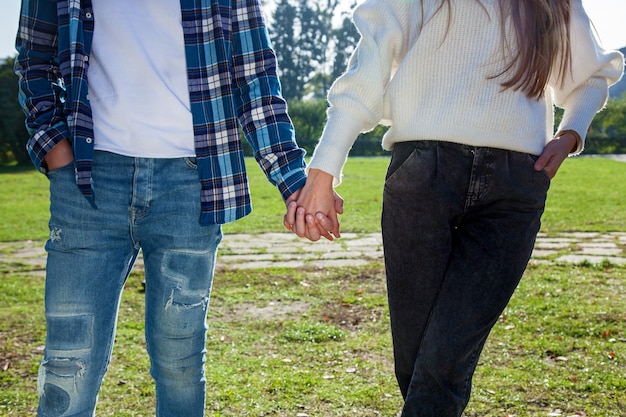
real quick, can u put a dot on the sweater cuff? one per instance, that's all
(334, 146)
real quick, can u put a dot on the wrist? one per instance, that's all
(320, 177)
(571, 136)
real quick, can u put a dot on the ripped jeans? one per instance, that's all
(142, 203)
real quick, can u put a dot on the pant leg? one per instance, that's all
(179, 258)
(90, 254)
(417, 242)
(492, 239)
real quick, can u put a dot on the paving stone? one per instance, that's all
(578, 259)
(332, 263)
(600, 251)
(342, 255)
(552, 245)
(287, 251)
(583, 235)
(543, 253)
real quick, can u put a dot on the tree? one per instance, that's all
(285, 44)
(316, 41)
(13, 134)
(303, 37)
(308, 118)
(346, 37)
(607, 134)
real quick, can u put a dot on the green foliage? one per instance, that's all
(607, 134)
(310, 51)
(284, 42)
(13, 135)
(346, 38)
(308, 119)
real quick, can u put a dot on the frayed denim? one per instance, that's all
(152, 205)
(459, 224)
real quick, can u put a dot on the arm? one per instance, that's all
(261, 109)
(583, 90)
(357, 97)
(356, 105)
(41, 88)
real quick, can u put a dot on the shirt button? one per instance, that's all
(86, 58)
(88, 15)
(89, 140)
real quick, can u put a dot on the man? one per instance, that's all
(134, 110)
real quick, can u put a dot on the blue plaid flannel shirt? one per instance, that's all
(232, 78)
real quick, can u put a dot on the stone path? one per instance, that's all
(287, 251)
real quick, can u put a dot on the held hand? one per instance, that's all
(60, 155)
(320, 224)
(312, 213)
(555, 153)
(313, 227)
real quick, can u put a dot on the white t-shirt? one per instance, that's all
(138, 80)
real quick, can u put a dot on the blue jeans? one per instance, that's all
(142, 203)
(459, 225)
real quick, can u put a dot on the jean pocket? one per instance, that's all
(401, 152)
(60, 170)
(191, 162)
(543, 172)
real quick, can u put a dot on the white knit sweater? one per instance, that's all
(429, 85)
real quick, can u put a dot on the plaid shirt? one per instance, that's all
(232, 79)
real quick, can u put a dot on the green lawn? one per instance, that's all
(587, 195)
(315, 342)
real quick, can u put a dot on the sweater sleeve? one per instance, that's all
(356, 97)
(584, 89)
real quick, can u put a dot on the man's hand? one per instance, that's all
(60, 155)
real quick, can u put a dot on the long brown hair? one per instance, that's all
(541, 44)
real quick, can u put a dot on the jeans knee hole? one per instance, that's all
(187, 300)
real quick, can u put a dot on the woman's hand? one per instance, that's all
(555, 153)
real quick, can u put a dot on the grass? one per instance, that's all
(278, 348)
(587, 195)
(315, 342)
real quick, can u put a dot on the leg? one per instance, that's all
(179, 258)
(478, 284)
(89, 257)
(491, 232)
(417, 241)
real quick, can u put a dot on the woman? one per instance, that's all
(467, 88)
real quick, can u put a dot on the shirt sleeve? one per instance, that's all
(356, 98)
(41, 88)
(261, 109)
(584, 89)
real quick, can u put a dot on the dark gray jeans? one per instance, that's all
(459, 225)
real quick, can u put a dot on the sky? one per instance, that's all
(608, 16)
